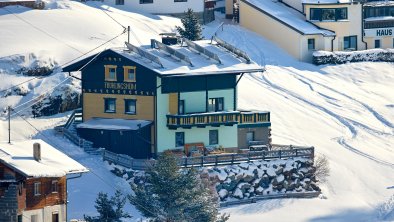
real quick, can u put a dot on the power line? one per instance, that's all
(94, 173)
(111, 17)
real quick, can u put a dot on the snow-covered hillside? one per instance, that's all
(345, 111)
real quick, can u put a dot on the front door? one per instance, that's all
(249, 137)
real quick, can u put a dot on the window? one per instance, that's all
(377, 43)
(109, 105)
(1, 172)
(130, 106)
(55, 186)
(129, 73)
(19, 218)
(110, 73)
(37, 189)
(34, 218)
(350, 42)
(216, 104)
(328, 14)
(179, 139)
(181, 107)
(213, 137)
(146, 1)
(119, 2)
(311, 44)
(55, 217)
(20, 188)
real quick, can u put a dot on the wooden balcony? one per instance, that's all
(217, 119)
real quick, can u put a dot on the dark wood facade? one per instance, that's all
(52, 190)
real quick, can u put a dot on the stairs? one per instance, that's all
(69, 131)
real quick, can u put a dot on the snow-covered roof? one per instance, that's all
(289, 17)
(114, 124)
(326, 1)
(379, 3)
(201, 65)
(17, 0)
(53, 163)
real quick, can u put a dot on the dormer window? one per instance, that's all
(110, 73)
(129, 73)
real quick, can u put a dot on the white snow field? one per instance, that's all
(345, 111)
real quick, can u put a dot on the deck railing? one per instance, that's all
(216, 119)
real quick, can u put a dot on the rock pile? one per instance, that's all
(247, 180)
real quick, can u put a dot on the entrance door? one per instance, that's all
(249, 137)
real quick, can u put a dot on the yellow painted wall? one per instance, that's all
(229, 7)
(386, 42)
(173, 103)
(351, 26)
(285, 37)
(93, 106)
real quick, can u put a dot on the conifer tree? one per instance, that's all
(110, 209)
(174, 195)
(191, 27)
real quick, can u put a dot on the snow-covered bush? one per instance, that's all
(371, 55)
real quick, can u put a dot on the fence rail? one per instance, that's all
(230, 159)
(212, 160)
(272, 196)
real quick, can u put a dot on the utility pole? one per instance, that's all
(128, 34)
(9, 124)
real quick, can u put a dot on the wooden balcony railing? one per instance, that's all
(216, 119)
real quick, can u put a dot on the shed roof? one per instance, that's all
(54, 163)
(114, 124)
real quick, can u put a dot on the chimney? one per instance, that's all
(37, 151)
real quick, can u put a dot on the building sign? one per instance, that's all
(379, 32)
(121, 86)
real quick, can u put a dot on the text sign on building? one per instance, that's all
(379, 32)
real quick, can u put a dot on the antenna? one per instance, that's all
(202, 50)
(172, 51)
(231, 48)
(144, 54)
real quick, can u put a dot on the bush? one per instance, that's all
(371, 55)
(322, 168)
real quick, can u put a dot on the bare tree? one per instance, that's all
(322, 168)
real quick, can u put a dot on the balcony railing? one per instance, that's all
(379, 24)
(216, 119)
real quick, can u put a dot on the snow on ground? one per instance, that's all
(345, 111)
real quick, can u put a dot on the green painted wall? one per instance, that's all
(195, 101)
(166, 138)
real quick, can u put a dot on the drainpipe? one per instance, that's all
(362, 26)
(332, 43)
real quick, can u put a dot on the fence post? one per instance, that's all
(248, 157)
(296, 152)
(232, 159)
(202, 160)
(280, 154)
(186, 162)
(216, 160)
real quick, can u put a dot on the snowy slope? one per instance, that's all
(345, 111)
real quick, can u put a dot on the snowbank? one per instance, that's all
(371, 55)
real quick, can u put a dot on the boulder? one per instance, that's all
(238, 194)
(279, 170)
(278, 180)
(259, 190)
(223, 194)
(244, 186)
(315, 187)
(265, 181)
(244, 166)
(256, 183)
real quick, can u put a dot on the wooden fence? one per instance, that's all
(212, 160)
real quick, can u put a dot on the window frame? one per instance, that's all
(126, 70)
(318, 14)
(37, 188)
(54, 184)
(313, 44)
(182, 134)
(215, 103)
(350, 45)
(126, 101)
(181, 107)
(211, 134)
(378, 41)
(108, 73)
(119, 2)
(146, 2)
(180, 1)
(105, 105)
